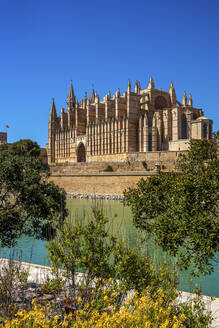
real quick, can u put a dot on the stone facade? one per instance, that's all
(138, 121)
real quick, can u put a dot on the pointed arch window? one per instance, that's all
(150, 142)
(210, 131)
(184, 126)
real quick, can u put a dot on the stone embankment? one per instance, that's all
(94, 196)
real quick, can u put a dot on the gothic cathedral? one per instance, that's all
(139, 121)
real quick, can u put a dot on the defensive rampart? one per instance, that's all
(93, 178)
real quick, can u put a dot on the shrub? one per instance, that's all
(13, 277)
(149, 310)
(89, 248)
(109, 168)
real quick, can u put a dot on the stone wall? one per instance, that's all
(106, 183)
(91, 178)
(121, 162)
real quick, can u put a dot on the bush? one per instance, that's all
(13, 277)
(109, 168)
(89, 248)
(149, 310)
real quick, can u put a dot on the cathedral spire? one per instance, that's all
(118, 93)
(129, 86)
(92, 97)
(184, 100)
(96, 98)
(190, 100)
(172, 86)
(172, 94)
(71, 98)
(52, 114)
(136, 86)
(151, 83)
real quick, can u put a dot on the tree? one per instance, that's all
(180, 209)
(26, 147)
(29, 204)
(90, 248)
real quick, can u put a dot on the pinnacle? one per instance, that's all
(129, 86)
(53, 110)
(172, 89)
(151, 83)
(53, 107)
(71, 92)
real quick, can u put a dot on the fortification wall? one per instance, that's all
(91, 178)
(106, 183)
(121, 162)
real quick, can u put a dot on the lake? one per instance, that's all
(120, 225)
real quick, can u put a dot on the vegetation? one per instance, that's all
(102, 296)
(109, 168)
(29, 204)
(26, 147)
(13, 278)
(180, 209)
(150, 310)
(119, 287)
(89, 248)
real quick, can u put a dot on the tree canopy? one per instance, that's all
(180, 209)
(29, 204)
(25, 147)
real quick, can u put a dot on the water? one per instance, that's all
(120, 224)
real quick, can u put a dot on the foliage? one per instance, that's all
(150, 310)
(28, 202)
(52, 285)
(180, 209)
(25, 147)
(13, 277)
(109, 168)
(89, 248)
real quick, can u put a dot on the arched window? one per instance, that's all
(205, 130)
(160, 102)
(210, 131)
(81, 153)
(150, 142)
(184, 126)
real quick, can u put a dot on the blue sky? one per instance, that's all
(45, 44)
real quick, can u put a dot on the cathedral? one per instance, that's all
(138, 121)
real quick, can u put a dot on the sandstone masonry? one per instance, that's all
(129, 125)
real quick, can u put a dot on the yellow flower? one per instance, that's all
(79, 299)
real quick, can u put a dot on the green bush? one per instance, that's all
(109, 168)
(91, 249)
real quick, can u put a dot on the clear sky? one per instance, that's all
(45, 44)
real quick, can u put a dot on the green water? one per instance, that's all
(120, 224)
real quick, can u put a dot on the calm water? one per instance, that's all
(120, 224)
